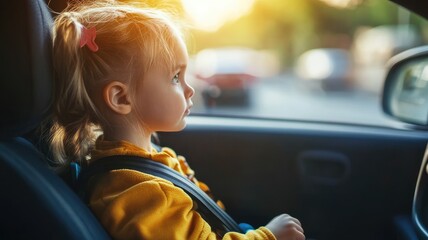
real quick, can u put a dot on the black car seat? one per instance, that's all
(35, 203)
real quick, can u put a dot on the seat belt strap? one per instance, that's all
(217, 218)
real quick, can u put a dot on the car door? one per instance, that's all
(326, 155)
(341, 181)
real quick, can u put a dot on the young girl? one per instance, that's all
(120, 72)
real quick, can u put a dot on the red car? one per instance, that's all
(227, 75)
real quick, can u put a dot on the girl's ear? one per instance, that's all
(117, 98)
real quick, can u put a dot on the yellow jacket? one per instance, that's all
(135, 205)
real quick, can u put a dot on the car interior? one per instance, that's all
(342, 181)
(37, 203)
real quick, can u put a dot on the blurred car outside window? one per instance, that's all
(228, 74)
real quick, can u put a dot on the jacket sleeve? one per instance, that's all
(134, 205)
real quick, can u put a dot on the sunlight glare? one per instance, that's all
(210, 15)
(342, 3)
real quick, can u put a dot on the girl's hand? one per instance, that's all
(285, 227)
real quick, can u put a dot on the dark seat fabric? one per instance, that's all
(25, 50)
(35, 203)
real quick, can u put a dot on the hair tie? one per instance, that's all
(88, 38)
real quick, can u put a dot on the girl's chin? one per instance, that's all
(180, 126)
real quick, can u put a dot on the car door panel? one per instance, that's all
(341, 181)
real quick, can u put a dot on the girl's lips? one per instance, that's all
(187, 112)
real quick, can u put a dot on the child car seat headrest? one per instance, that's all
(26, 66)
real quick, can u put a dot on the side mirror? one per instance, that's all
(405, 93)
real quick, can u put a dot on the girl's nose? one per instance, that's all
(189, 91)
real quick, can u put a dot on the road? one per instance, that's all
(286, 97)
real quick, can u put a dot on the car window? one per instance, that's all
(311, 60)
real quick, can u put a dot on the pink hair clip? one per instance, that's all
(88, 38)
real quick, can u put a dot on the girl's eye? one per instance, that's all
(176, 79)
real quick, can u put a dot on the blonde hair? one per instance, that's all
(130, 39)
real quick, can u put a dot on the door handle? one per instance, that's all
(323, 167)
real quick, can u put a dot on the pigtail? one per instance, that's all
(72, 134)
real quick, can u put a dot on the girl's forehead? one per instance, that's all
(167, 57)
(178, 56)
(180, 51)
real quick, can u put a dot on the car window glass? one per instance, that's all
(312, 60)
